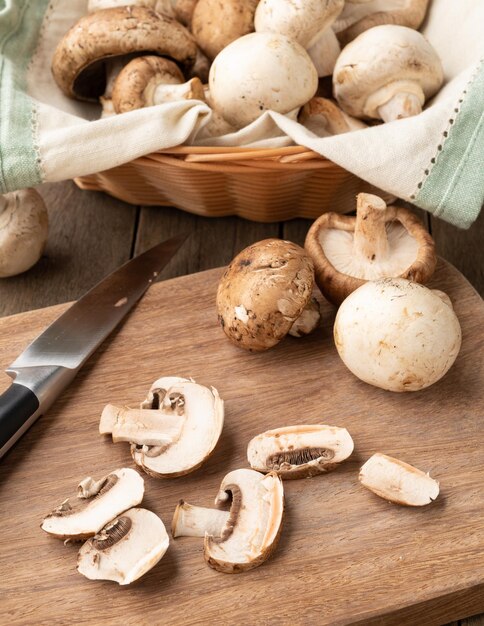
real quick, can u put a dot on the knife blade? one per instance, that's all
(47, 366)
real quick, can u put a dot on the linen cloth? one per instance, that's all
(435, 159)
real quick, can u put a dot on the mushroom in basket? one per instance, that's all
(324, 118)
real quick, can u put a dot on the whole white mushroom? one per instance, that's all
(23, 231)
(260, 72)
(397, 335)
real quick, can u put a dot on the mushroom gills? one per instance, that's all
(300, 451)
(125, 549)
(96, 504)
(397, 481)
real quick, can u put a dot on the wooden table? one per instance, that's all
(91, 234)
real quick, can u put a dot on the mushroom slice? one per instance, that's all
(381, 242)
(300, 451)
(78, 64)
(397, 481)
(324, 118)
(125, 549)
(250, 533)
(263, 292)
(202, 413)
(96, 504)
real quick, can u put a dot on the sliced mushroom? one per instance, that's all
(215, 24)
(300, 451)
(201, 414)
(324, 118)
(78, 65)
(125, 549)
(387, 72)
(357, 17)
(96, 503)
(250, 533)
(24, 226)
(263, 292)
(379, 242)
(397, 481)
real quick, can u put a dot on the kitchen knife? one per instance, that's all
(50, 362)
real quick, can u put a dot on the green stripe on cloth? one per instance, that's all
(454, 188)
(20, 23)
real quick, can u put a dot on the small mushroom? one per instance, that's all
(79, 62)
(397, 481)
(263, 292)
(248, 536)
(24, 225)
(215, 24)
(387, 72)
(260, 72)
(324, 118)
(96, 503)
(380, 242)
(150, 80)
(357, 17)
(300, 451)
(200, 413)
(125, 549)
(397, 335)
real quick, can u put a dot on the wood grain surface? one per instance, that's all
(345, 556)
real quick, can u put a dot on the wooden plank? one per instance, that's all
(213, 241)
(345, 556)
(463, 248)
(90, 234)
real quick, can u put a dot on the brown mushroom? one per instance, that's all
(324, 118)
(215, 24)
(379, 242)
(357, 17)
(246, 536)
(78, 64)
(263, 292)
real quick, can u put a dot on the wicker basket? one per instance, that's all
(263, 185)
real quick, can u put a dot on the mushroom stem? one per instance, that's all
(149, 427)
(197, 521)
(371, 240)
(401, 105)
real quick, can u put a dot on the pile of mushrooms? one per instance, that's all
(124, 542)
(175, 429)
(255, 55)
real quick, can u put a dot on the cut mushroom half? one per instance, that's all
(200, 412)
(300, 451)
(397, 481)
(247, 535)
(125, 549)
(380, 242)
(96, 503)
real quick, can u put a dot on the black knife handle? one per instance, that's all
(17, 405)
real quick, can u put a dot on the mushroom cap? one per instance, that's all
(77, 63)
(300, 451)
(24, 227)
(381, 62)
(125, 549)
(324, 118)
(184, 10)
(215, 24)
(84, 515)
(397, 481)
(135, 85)
(254, 525)
(203, 416)
(339, 269)
(259, 72)
(263, 291)
(302, 20)
(160, 6)
(357, 17)
(397, 335)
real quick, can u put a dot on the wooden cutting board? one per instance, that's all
(345, 556)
